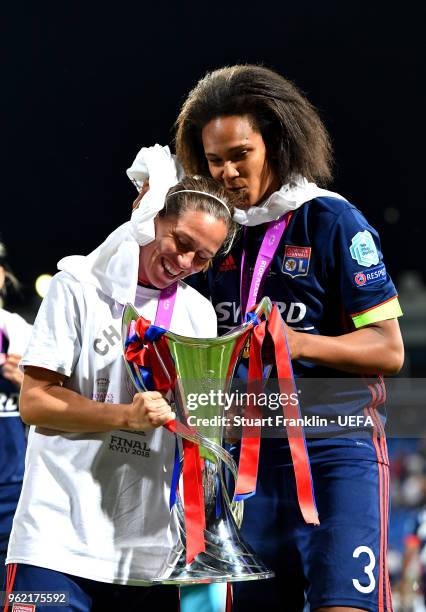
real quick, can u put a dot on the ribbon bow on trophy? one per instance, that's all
(209, 547)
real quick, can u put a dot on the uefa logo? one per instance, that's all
(360, 279)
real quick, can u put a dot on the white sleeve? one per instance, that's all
(17, 330)
(202, 313)
(55, 343)
(208, 320)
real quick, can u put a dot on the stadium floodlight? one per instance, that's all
(42, 284)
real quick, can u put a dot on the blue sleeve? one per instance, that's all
(356, 260)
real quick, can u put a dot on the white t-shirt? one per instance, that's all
(16, 329)
(96, 505)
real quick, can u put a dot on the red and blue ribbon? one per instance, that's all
(140, 352)
(250, 443)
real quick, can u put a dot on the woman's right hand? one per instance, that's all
(147, 411)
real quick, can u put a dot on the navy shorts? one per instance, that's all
(86, 595)
(341, 562)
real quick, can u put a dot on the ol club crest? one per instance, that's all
(296, 260)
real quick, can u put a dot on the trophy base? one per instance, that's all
(227, 557)
(203, 571)
(186, 581)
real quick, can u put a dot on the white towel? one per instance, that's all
(113, 266)
(289, 197)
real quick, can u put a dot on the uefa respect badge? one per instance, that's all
(363, 249)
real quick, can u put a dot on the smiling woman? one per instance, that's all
(84, 412)
(194, 224)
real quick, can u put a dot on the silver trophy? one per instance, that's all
(210, 363)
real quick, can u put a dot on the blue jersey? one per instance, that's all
(327, 277)
(12, 453)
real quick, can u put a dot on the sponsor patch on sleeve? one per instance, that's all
(369, 277)
(363, 249)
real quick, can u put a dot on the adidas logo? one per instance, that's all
(228, 264)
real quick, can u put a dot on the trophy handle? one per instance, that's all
(264, 308)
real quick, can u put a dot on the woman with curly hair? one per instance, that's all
(254, 131)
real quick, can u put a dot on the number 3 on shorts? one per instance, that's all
(368, 569)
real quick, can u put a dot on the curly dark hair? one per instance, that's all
(296, 140)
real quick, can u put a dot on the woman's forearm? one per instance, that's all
(45, 402)
(65, 410)
(375, 349)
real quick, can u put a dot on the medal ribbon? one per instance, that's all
(165, 306)
(270, 242)
(250, 439)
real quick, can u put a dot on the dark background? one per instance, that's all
(84, 86)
